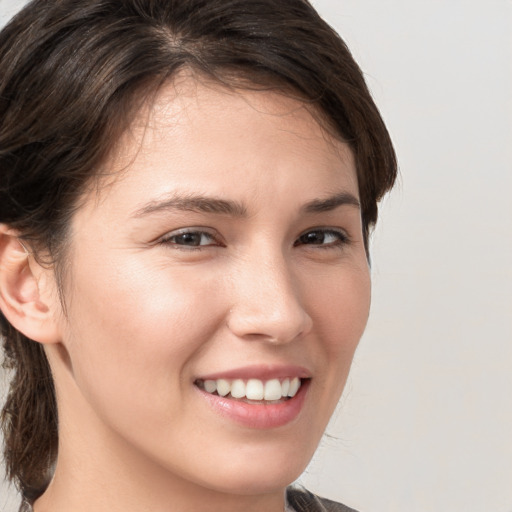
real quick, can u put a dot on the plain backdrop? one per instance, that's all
(425, 423)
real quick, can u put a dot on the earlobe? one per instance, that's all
(25, 299)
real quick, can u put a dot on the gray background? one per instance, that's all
(425, 423)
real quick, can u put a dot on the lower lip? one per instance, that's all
(259, 416)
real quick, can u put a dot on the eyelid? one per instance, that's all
(199, 230)
(344, 237)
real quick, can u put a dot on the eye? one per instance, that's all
(323, 237)
(193, 238)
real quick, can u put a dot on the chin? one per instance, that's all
(263, 480)
(265, 472)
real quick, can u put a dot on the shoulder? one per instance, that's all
(301, 500)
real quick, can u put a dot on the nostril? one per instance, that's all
(270, 327)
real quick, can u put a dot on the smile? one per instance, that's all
(252, 390)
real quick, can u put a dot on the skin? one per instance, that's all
(146, 314)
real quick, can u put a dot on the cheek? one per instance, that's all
(340, 307)
(340, 304)
(134, 331)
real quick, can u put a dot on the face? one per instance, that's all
(221, 268)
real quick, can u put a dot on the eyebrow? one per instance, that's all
(194, 203)
(205, 204)
(331, 203)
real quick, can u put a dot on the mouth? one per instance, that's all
(253, 391)
(257, 396)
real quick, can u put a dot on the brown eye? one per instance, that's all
(323, 237)
(190, 239)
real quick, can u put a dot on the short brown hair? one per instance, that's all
(72, 76)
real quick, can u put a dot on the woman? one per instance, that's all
(187, 190)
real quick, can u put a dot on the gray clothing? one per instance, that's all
(301, 500)
(298, 500)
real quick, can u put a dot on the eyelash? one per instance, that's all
(342, 239)
(170, 239)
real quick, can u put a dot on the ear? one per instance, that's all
(28, 297)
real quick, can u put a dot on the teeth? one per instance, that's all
(238, 388)
(254, 389)
(294, 386)
(223, 387)
(286, 386)
(210, 386)
(273, 390)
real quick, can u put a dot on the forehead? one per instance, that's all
(198, 126)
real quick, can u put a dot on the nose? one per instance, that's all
(266, 303)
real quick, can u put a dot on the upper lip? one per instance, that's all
(262, 372)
